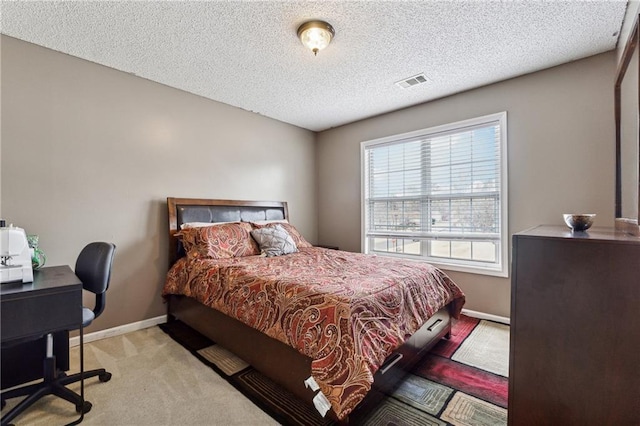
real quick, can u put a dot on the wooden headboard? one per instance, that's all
(185, 210)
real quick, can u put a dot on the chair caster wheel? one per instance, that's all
(105, 377)
(84, 408)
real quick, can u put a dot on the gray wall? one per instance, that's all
(90, 153)
(561, 153)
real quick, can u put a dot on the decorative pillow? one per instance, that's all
(291, 230)
(219, 242)
(274, 240)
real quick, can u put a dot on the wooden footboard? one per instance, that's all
(285, 365)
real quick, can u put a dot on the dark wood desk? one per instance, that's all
(52, 303)
(48, 304)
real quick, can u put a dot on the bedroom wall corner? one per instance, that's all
(90, 153)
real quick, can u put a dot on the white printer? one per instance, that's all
(15, 255)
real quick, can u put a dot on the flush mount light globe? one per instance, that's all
(316, 35)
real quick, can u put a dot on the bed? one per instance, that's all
(284, 328)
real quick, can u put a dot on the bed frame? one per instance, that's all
(278, 361)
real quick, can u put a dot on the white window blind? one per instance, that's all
(439, 194)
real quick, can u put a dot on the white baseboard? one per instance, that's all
(116, 331)
(490, 317)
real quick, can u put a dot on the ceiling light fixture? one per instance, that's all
(316, 35)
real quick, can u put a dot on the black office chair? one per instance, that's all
(93, 268)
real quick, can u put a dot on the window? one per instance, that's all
(439, 195)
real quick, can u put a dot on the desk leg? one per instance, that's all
(82, 374)
(85, 405)
(82, 367)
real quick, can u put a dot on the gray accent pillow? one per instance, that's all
(274, 241)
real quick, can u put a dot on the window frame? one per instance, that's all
(501, 267)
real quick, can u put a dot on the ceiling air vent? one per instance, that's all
(412, 81)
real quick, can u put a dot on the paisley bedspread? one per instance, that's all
(346, 311)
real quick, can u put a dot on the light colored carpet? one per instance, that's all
(155, 382)
(487, 348)
(423, 394)
(465, 410)
(226, 361)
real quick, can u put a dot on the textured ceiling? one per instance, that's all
(246, 53)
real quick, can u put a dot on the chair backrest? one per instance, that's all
(93, 267)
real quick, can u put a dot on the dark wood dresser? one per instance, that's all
(575, 328)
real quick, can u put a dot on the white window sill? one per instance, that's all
(496, 271)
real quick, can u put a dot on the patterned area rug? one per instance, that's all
(461, 382)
